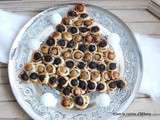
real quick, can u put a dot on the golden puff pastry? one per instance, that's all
(67, 102)
(67, 36)
(80, 8)
(95, 75)
(67, 53)
(78, 55)
(98, 56)
(63, 70)
(76, 91)
(85, 75)
(30, 67)
(50, 69)
(74, 73)
(55, 50)
(77, 38)
(56, 35)
(40, 68)
(87, 56)
(44, 49)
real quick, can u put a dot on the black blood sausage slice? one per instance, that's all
(47, 58)
(73, 30)
(71, 44)
(41, 77)
(37, 56)
(83, 29)
(92, 65)
(33, 76)
(92, 48)
(69, 64)
(112, 66)
(82, 47)
(82, 84)
(50, 41)
(53, 80)
(72, 13)
(120, 84)
(57, 61)
(61, 42)
(91, 85)
(24, 76)
(61, 81)
(100, 86)
(81, 65)
(101, 67)
(66, 91)
(74, 82)
(113, 84)
(102, 43)
(95, 29)
(60, 28)
(79, 100)
(84, 15)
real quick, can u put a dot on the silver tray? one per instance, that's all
(28, 95)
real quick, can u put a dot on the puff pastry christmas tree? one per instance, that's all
(75, 60)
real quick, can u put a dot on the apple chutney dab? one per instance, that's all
(75, 60)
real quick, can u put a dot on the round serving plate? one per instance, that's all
(36, 31)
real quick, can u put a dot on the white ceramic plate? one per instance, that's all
(36, 31)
